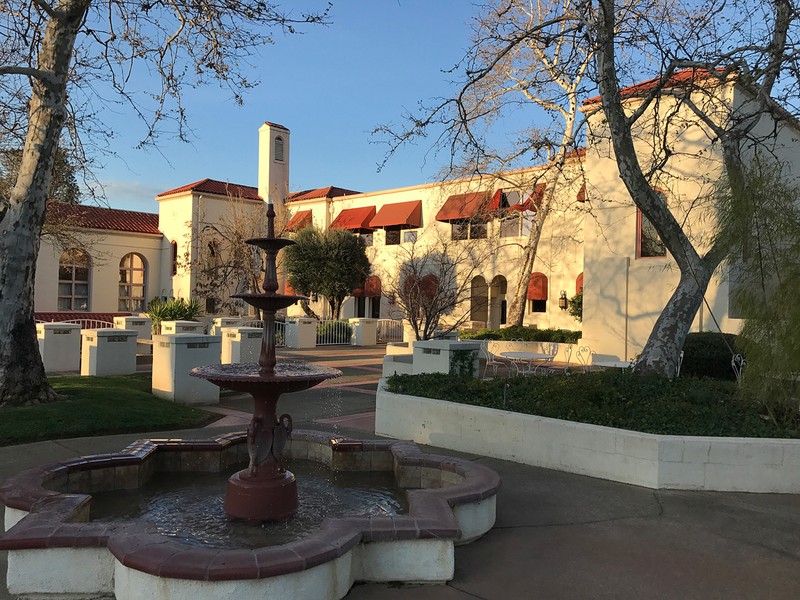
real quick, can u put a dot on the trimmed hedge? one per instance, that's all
(708, 354)
(650, 404)
(526, 334)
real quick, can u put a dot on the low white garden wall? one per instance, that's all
(653, 461)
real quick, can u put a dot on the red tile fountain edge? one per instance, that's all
(54, 519)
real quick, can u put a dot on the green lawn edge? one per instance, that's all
(94, 406)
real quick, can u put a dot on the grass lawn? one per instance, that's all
(98, 406)
(683, 406)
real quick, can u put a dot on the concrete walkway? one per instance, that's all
(557, 535)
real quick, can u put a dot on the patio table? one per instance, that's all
(531, 360)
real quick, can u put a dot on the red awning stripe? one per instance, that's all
(537, 287)
(371, 288)
(354, 218)
(403, 214)
(299, 221)
(466, 206)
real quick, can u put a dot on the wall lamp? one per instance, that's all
(562, 300)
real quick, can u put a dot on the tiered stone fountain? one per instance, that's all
(265, 490)
(56, 550)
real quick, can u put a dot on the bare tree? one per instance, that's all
(432, 288)
(526, 58)
(750, 47)
(53, 50)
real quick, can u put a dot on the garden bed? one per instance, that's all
(476, 422)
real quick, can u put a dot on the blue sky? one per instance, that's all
(330, 87)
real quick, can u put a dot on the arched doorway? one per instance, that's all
(497, 302)
(479, 300)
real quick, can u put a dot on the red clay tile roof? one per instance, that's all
(221, 188)
(679, 79)
(276, 126)
(326, 192)
(95, 217)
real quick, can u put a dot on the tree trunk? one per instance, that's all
(662, 351)
(516, 310)
(22, 377)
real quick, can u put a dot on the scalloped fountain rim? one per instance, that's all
(454, 502)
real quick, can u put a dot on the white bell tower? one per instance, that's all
(273, 162)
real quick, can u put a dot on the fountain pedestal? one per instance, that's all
(265, 490)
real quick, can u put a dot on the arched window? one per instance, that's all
(479, 300)
(537, 293)
(174, 257)
(579, 284)
(74, 267)
(132, 277)
(278, 149)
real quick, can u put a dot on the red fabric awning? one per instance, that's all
(370, 289)
(579, 284)
(354, 218)
(466, 206)
(299, 220)
(403, 214)
(537, 287)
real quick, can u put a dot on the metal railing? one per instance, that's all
(333, 332)
(280, 330)
(390, 330)
(84, 323)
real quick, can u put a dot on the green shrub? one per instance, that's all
(708, 354)
(527, 334)
(174, 309)
(650, 404)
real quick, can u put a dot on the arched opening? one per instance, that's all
(579, 284)
(74, 269)
(479, 300)
(497, 302)
(368, 298)
(132, 278)
(278, 149)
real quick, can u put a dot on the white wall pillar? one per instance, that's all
(143, 326)
(241, 344)
(108, 352)
(365, 332)
(173, 357)
(59, 345)
(301, 333)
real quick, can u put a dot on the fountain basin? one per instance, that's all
(53, 549)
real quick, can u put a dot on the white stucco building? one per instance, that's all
(594, 238)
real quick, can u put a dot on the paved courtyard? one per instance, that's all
(557, 535)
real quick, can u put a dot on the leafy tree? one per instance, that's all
(58, 60)
(330, 263)
(575, 306)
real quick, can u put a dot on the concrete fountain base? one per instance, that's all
(54, 550)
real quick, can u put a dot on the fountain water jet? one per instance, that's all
(265, 490)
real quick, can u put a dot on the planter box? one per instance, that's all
(653, 461)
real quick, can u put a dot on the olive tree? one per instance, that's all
(59, 61)
(330, 263)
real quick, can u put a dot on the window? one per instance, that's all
(361, 307)
(367, 237)
(649, 242)
(174, 257)
(464, 229)
(392, 236)
(537, 293)
(509, 227)
(132, 276)
(278, 149)
(73, 280)
(409, 237)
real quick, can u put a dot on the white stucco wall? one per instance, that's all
(106, 248)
